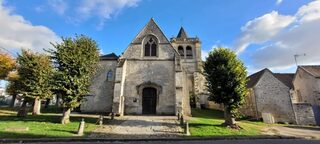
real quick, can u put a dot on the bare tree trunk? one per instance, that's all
(13, 100)
(36, 106)
(23, 111)
(57, 100)
(66, 116)
(229, 119)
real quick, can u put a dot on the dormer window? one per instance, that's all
(150, 47)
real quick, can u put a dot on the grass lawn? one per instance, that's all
(44, 125)
(208, 123)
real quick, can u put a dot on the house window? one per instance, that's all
(150, 47)
(181, 51)
(189, 52)
(109, 76)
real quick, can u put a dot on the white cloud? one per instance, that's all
(281, 37)
(279, 2)
(262, 29)
(84, 10)
(103, 9)
(59, 6)
(17, 33)
(204, 54)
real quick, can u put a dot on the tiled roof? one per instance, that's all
(111, 56)
(254, 78)
(285, 78)
(314, 70)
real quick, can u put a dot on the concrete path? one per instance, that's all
(139, 127)
(295, 131)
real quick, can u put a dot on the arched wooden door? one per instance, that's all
(149, 100)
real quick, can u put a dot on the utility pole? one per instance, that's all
(297, 55)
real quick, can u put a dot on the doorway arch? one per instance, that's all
(149, 100)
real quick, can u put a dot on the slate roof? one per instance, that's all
(314, 70)
(111, 56)
(285, 78)
(182, 33)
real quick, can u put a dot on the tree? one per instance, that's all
(35, 72)
(76, 60)
(13, 86)
(226, 81)
(7, 64)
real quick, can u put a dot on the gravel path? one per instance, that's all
(139, 127)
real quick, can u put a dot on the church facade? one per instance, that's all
(154, 76)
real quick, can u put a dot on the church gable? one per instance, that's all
(150, 43)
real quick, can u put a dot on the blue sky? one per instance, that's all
(264, 33)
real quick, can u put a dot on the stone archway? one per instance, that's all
(149, 93)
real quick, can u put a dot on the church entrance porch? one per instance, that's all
(149, 100)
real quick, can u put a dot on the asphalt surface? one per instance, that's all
(259, 141)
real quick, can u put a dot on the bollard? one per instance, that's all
(112, 116)
(186, 129)
(178, 116)
(81, 128)
(101, 120)
(181, 120)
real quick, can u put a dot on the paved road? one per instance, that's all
(295, 131)
(261, 141)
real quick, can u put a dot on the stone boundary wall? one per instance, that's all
(304, 114)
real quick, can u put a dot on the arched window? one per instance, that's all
(109, 76)
(189, 52)
(150, 47)
(181, 51)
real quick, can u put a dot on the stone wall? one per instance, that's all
(304, 114)
(307, 88)
(273, 97)
(159, 73)
(101, 90)
(249, 108)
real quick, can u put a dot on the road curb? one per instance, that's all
(32, 140)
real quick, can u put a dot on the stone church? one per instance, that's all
(154, 76)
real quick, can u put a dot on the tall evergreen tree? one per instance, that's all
(76, 60)
(226, 77)
(35, 73)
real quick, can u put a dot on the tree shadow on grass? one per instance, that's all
(45, 118)
(199, 125)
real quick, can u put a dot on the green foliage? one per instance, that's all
(226, 77)
(76, 60)
(46, 125)
(208, 123)
(7, 64)
(34, 75)
(13, 83)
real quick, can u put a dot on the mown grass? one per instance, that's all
(44, 125)
(208, 123)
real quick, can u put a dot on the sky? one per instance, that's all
(264, 33)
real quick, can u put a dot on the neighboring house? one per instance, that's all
(307, 88)
(269, 97)
(153, 76)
